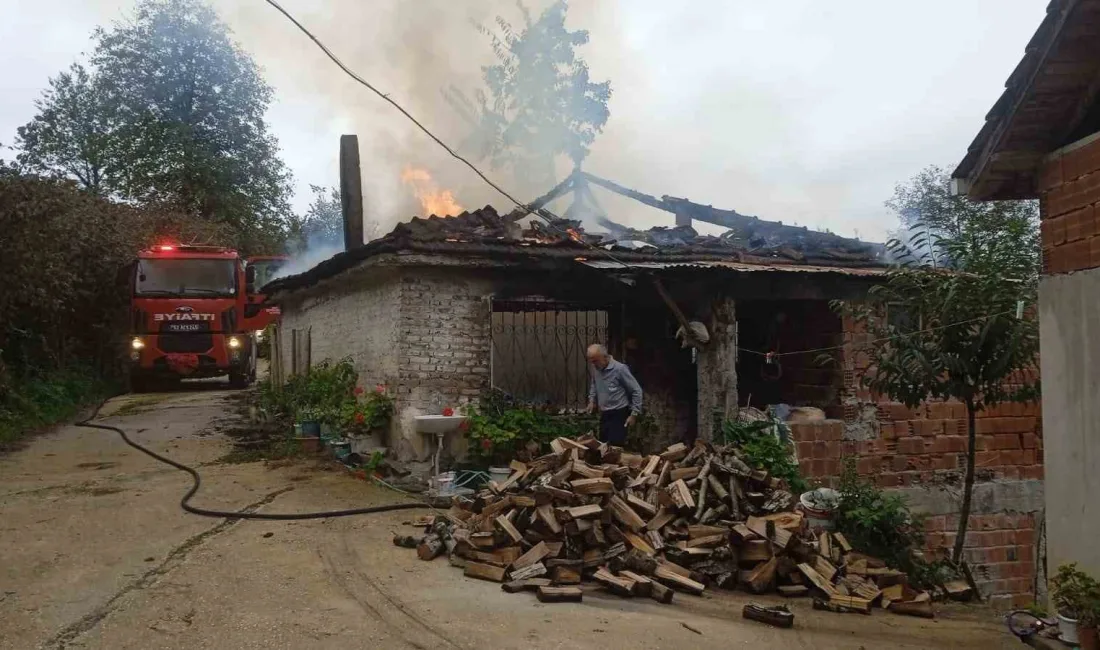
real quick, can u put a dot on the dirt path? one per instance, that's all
(95, 553)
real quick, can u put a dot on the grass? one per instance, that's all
(33, 404)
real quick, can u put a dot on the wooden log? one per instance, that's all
(637, 541)
(824, 544)
(664, 474)
(842, 541)
(643, 586)
(531, 571)
(756, 550)
(592, 486)
(536, 554)
(554, 548)
(671, 566)
(815, 578)
(677, 581)
(713, 513)
(681, 495)
(854, 603)
(716, 488)
(566, 575)
(735, 496)
(794, 591)
(741, 533)
(625, 514)
(583, 512)
(618, 585)
(830, 606)
(562, 475)
(958, 590)
(530, 584)
(509, 529)
(684, 473)
(701, 501)
(660, 593)
(824, 568)
(560, 594)
(763, 577)
(675, 452)
(761, 527)
(546, 516)
(585, 470)
(593, 557)
(660, 520)
(710, 540)
(523, 501)
(697, 530)
(643, 508)
(483, 540)
(485, 571)
(923, 609)
(778, 616)
(633, 461)
(655, 540)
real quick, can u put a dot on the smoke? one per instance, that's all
(317, 249)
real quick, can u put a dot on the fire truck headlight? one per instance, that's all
(234, 342)
(137, 343)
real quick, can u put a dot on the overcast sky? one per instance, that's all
(802, 111)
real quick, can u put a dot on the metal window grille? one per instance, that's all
(538, 349)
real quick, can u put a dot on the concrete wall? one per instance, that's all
(1069, 312)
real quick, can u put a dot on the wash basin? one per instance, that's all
(437, 424)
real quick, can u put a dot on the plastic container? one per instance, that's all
(817, 515)
(311, 429)
(499, 474)
(445, 484)
(341, 449)
(1068, 628)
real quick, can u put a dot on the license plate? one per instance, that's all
(185, 327)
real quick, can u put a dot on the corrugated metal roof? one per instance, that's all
(612, 265)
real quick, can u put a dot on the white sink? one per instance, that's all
(437, 424)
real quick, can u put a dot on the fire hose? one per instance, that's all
(196, 482)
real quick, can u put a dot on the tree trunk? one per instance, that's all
(968, 486)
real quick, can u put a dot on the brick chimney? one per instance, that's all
(351, 192)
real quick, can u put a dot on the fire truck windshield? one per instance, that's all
(186, 278)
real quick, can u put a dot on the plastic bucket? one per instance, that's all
(499, 474)
(311, 429)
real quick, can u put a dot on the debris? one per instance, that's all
(560, 594)
(778, 616)
(688, 627)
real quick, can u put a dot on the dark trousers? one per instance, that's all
(613, 426)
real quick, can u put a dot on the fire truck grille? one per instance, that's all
(185, 342)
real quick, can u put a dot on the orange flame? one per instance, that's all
(432, 199)
(574, 235)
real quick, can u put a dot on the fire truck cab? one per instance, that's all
(195, 313)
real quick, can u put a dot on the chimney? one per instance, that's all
(351, 192)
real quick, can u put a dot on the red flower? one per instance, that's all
(463, 426)
(448, 412)
(486, 444)
(380, 388)
(358, 390)
(359, 418)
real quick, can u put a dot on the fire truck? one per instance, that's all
(195, 312)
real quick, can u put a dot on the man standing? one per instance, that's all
(615, 392)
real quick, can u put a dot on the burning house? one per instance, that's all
(443, 310)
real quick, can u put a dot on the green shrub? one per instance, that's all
(498, 427)
(329, 394)
(762, 449)
(46, 400)
(1076, 594)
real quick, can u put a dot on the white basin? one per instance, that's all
(438, 423)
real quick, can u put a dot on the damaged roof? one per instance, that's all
(543, 235)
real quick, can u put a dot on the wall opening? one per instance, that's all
(538, 349)
(779, 326)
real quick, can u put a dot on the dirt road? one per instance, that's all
(95, 553)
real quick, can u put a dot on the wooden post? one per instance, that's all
(351, 192)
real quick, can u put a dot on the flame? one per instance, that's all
(574, 235)
(432, 199)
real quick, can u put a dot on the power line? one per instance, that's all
(881, 340)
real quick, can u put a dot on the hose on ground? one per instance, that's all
(196, 482)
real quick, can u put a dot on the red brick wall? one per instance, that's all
(902, 447)
(1069, 186)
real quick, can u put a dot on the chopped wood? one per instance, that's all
(505, 524)
(958, 590)
(762, 577)
(923, 609)
(681, 495)
(717, 488)
(814, 577)
(756, 550)
(592, 486)
(856, 567)
(696, 530)
(672, 566)
(642, 507)
(566, 575)
(855, 603)
(637, 541)
(655, 540)
(676, 581)
(778, 616)
(633, 461)
(554, 493)
(660, 593)
(587, 471)
(537, 553)
(625, 514)
(584, 512)
(838, 607)
(642, 585)
(506, 555)
(499, 505)
(650, 466)
(593, 557)
(530, 584)
(710, 540)
(660, 520)
(702, 498)
(675, 452)
(523, 501)
(892, 593)
(531, 571)
(825, 568)
(684, 473)
(562, 474)
(794, 591)
(560, 594)
(861, 587)
(554, 548)
(742, 533)
(619, 585)
(483, 540)
(777, 536)
(842, 541)
(546, 515)
(485, 571)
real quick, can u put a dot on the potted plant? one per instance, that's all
(1076, 597)
(367, 413)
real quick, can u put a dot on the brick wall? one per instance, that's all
(921, 453)
(1069, 186)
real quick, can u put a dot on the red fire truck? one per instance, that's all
(195, 312)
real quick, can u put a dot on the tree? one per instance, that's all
(178, 111)
(323, 223)
(71, 134)
(541, 102)
(960, 337)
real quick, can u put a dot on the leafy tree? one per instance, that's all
(323, 223)
(71, 134)
(960, 337)
(170, 115)
(541, 102)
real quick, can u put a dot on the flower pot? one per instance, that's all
(818, 516)
(311, 429)
(499, 474)
(1088, 637)
(310, 444)
(1068, 628)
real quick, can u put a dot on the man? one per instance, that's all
(615, 392)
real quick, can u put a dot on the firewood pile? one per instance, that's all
(684, 520)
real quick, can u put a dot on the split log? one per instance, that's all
(620, 586)
(814, 577)
(530, 584)
(675, 452)
(681, 495)
(625, 514)
(583, 512)
(854, 603)
(643, 586)
(560, 594)
(695, 531)
(710, 540)
(587, 471)
(592, 486)
(660, 593)
(756, 550)
(923, 609)
(505, 524)
(763, 577)
(842, 541)
(831, 606)
(684, 473)
(536, 554)
(637, 541)
(642, 507)
(566, 575)
(660, 520)
(546, 516)
(531, 571)
(824, 568)
(655, 540)
(794, 591)
(676, 581)
(485, 571)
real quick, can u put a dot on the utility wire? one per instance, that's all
(881, 340)
(452, 152)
